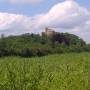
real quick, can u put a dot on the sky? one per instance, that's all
(32, 16)
(34, 8)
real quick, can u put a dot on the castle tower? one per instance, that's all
(49, 32)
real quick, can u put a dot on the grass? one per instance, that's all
(52, 72)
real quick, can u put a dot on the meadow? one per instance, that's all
(53, 72)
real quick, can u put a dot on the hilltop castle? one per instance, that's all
(49, 32)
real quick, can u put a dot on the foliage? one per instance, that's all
(28, 45)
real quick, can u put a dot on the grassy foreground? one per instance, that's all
(53, 72)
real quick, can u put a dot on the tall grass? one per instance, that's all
(53, 72)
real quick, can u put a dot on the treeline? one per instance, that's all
(28, 45)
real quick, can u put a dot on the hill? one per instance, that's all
(40, 45)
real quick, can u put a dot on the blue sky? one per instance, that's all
(32, 16)
(33, 9)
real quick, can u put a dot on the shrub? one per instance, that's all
(26, 52)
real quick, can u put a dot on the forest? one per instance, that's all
(28, 45)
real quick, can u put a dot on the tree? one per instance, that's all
(3, 46)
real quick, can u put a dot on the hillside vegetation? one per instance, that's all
(28, 45)
(53, 72)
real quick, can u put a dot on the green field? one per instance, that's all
(52, 72)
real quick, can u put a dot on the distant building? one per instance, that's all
(49, 32)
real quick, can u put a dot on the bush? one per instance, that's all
(29, 45)
(26, 52)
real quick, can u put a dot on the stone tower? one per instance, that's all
(48, 32)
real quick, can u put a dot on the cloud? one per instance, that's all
(67, 16)
(22, 1)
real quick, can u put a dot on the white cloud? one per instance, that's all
(68, 16)
(22, 1)
(25, 1)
